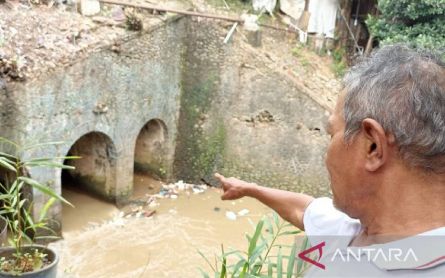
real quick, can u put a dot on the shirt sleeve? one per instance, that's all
(321, 218)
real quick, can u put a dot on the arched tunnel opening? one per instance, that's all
(150, 165)
(91, 184)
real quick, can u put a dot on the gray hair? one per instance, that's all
(404, 90)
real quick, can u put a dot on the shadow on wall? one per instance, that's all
(95, 171)
(151, 150)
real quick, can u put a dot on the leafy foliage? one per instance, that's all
(16, 208)
(339, 64)
(418, 23)
(264, 256)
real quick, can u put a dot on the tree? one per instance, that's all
(418, 23)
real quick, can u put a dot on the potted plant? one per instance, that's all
(23, 257)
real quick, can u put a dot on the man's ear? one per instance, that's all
(377, 144)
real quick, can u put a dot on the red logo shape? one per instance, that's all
(318, 247)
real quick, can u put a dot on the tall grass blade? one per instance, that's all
(224, 262)
(207, 260)
(279, 264)
(254, 239)
(205, 275)
(291, 263)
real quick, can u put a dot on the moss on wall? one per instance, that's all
(212, 151)
(198, 149)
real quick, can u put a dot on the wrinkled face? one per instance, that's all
(343, 163)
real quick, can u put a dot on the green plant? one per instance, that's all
(418, 23)
(16, 207)
(264, 257)
(339, 64)
(296, 51)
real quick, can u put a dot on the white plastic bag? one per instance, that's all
(261, 5)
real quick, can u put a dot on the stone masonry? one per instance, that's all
(174, 102)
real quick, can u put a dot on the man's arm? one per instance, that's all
(289, 205)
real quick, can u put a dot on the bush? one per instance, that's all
(417, 23)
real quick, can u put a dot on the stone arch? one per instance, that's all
(151, 149)
(95, 171)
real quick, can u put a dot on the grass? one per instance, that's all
(264, 257)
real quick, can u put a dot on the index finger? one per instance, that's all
(220, 177)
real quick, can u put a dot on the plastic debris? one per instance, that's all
(149, 213)
(173, 190)
(264, 5)
(137, 212)
(243, 212)
(231, 215)
(180, 185)
(250, 22)
(144, 207)
(198, 189)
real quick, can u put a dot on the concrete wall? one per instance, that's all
(184, 101)
(246, 121)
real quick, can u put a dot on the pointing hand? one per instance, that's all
(233, 188)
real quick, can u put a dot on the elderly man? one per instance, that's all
(386, 161)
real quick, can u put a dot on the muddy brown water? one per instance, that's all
(97, 243)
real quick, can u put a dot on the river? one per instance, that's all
(99, 242)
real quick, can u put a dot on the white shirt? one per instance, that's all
(422, 255)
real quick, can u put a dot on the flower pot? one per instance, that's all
(49, 271)
(3, 230)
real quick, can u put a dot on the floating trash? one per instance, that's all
(231, 215)
(173, 190)
(137, 212)
(243, 212)
(198, 189)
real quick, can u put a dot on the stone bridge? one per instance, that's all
(174, 102)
